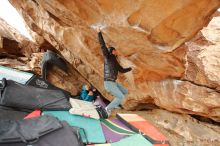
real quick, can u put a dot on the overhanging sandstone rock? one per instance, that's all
(146, 33)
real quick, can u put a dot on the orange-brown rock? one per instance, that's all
(9, 38)
(179, 96)
(71, 81)
(184, 23)
(203, 65)
(1, 42)
(146, 33)
(13, 42)
(9, 32)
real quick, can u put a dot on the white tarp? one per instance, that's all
(83, 108)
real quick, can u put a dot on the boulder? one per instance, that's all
(150, 37)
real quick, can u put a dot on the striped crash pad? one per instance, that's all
(92, 132)
(139, 124)
(134, 140)
(15, 75)
(114, 130)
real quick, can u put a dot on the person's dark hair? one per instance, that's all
(111, 49)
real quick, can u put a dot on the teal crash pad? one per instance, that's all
(92, 127)
(134, 140)
(15, 75)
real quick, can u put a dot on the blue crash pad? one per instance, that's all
(134, 140)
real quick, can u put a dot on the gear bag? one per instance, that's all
(11, 113)
(13, 94)
(41, 131)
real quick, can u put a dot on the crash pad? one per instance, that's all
(134, 140)
(15, 75)
(160, 145)
(139, 124)
(106, 144)
(114, 130)
(91, 127)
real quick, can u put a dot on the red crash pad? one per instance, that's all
(33, 114)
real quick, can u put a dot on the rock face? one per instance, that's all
(148, 34)
(9, 32)
(1, 42)
(203, 56)
(13, 42)
(9, 38)
(71, 81)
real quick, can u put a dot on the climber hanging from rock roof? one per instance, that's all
(111, 69)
